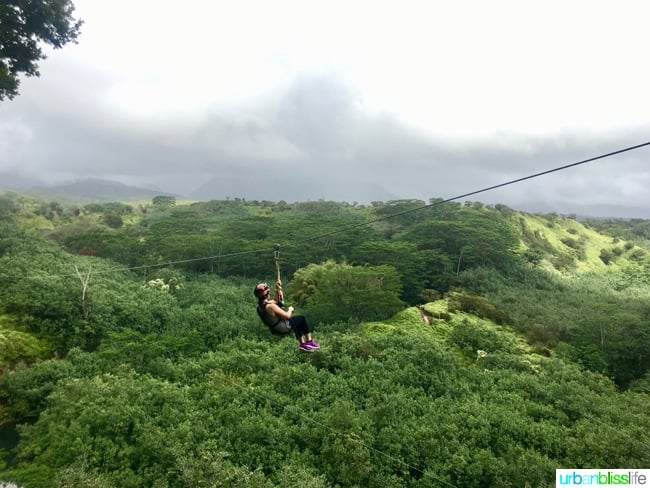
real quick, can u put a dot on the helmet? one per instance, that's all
(261, 290)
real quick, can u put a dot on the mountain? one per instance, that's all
(11, 181)
(273, 187)
(585, 210)
(268, 186)
(80, 191)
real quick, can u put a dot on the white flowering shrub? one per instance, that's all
(160, 284)
(157, 284)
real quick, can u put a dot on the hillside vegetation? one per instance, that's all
(462, 345)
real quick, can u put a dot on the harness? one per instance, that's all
(261, 311)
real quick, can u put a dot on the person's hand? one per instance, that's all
(291, 309)
(278, 284)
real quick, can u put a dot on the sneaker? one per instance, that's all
(305, 347)
(313, 345)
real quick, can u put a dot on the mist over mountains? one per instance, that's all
(83, 190)
(275, 187)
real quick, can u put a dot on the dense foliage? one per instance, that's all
(530, 355)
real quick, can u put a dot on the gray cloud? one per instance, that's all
(313, 141)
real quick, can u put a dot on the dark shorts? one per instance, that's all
(282, 327)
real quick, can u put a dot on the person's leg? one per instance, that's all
(302, 328)
(286, 327)
(296, 330)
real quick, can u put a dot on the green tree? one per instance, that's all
(131, 427)
(16, 345)
(412, 265)
(164, 201)
(331, 292)
(113, 220)
(24, 25)
(8, 207)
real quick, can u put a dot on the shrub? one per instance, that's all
(563, 262)
(606, 256)
(471, 337)
(533, 256)
(460, 300)
(544, 335)
(113, 220)
(430, 295)
(572, 243)
(637, 254)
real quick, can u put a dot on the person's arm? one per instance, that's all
(279, 296)
(278, 312)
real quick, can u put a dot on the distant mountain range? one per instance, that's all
(81, 191)
(269, 187)
(255, 187)
(582, 211)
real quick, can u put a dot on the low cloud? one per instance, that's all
(312, 140)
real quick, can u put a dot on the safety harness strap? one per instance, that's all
(261, 309)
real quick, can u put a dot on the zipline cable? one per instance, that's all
(144, 266)
(482, 190)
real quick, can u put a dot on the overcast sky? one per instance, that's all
(345, 100)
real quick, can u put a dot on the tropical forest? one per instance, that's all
(462, 344)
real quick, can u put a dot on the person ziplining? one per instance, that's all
(278, 319)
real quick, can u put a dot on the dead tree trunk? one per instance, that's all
(84, 289)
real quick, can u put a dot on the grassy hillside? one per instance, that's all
(568, 246)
